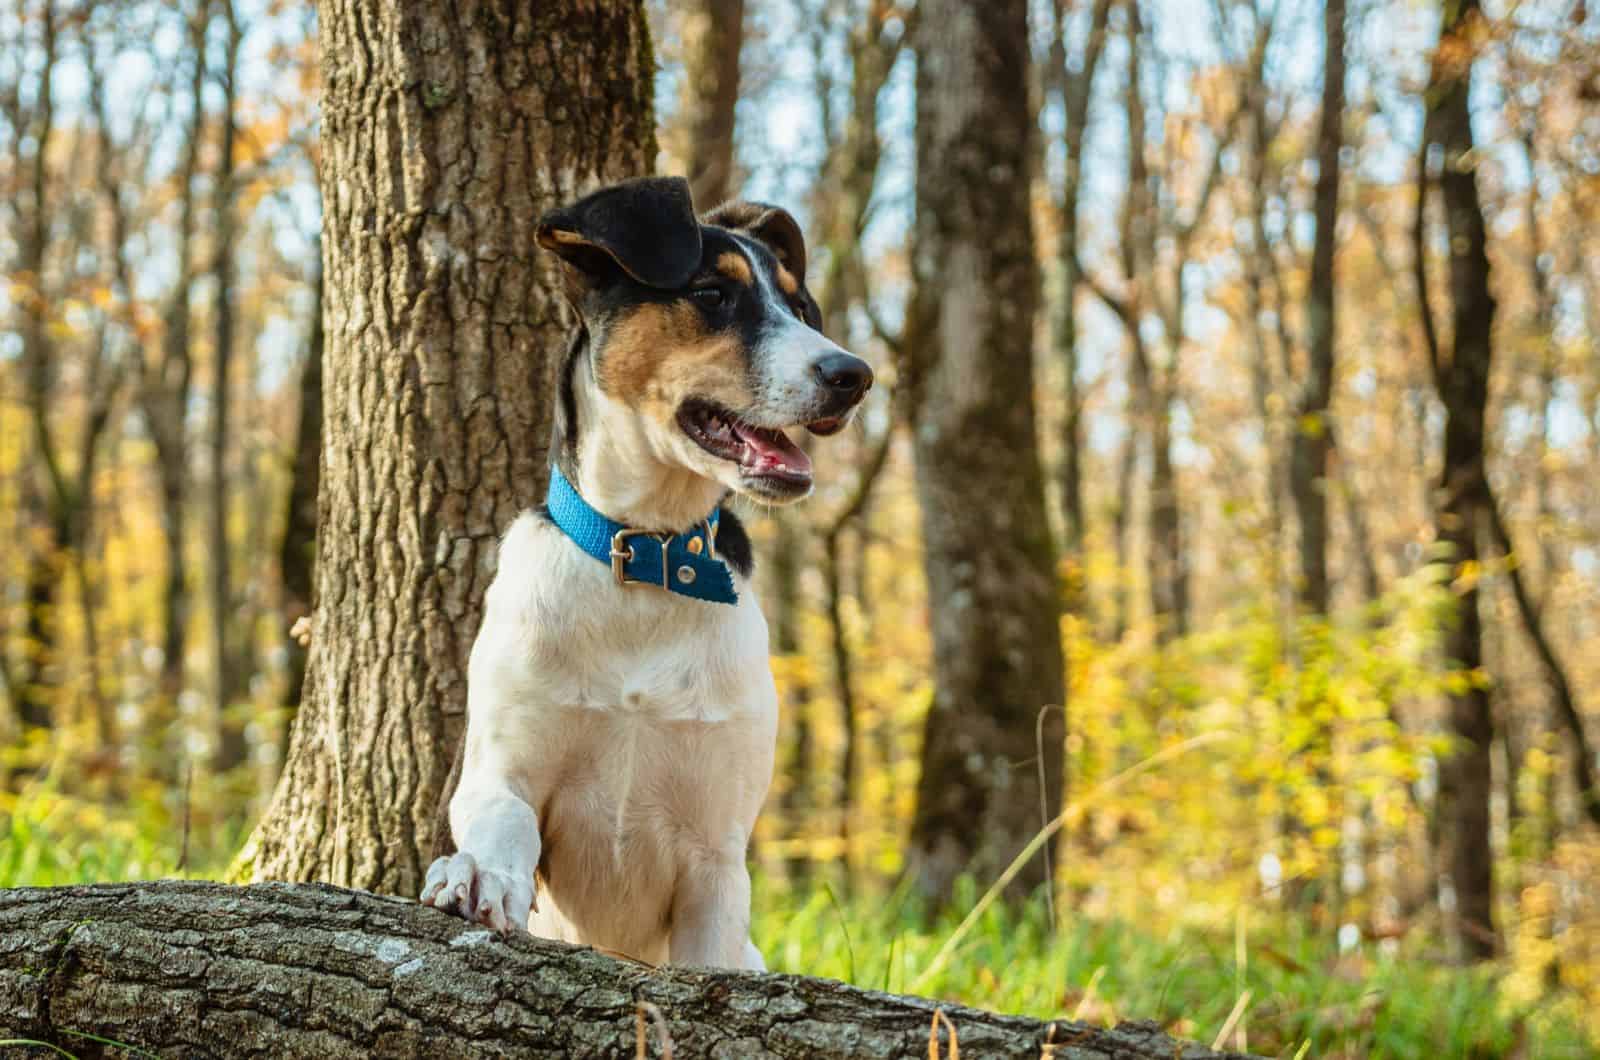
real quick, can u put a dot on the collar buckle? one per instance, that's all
(622, 555)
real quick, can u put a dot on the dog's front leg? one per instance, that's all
(711, 916)
(489, 879)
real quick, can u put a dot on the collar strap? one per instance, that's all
(685, 564)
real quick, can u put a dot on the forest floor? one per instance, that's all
(1264, 987)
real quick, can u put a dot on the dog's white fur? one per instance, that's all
(621, 737)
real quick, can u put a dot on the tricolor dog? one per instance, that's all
(621, 715)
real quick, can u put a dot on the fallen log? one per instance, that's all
(195, 969)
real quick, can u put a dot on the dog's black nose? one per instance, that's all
(844, 375)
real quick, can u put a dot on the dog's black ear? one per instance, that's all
(645, 227)
(773, 225)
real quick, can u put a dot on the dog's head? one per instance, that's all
(703, 332)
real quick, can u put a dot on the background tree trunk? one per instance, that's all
(315, 971)
(446, 133)
(1462, 378)
(1311, 434)
(35, 699)
(231, 749)
(1075, 89)
(164, 391)
(991, 563)
(297, 556)
(1148, 220)
(712, 72)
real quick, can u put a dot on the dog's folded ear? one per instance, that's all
(773, 225)
(645, 227)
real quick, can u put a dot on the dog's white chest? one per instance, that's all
(638, 726)
(559, 634)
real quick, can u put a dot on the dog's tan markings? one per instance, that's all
(641, 342)
(660, 354)
(559, 235)
(786, 281)
(713, 369)
(735, 267)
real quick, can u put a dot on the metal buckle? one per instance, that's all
(622, 554)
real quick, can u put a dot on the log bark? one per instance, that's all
(196, 969)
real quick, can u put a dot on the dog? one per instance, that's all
(621, 713)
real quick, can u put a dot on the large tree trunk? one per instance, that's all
(1308, 461)
(188, 969)
(1462, 378)
(446, 133)
(990, 564)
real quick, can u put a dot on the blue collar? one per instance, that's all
(685, 563)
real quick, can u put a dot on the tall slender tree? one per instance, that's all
(1312, 435)
(991, 563)
(850, 176)
(165, 385)
(1461, 375)
(1075, 87)
(446, 133)
(56, 248)
(231, 747)
(1155, 251)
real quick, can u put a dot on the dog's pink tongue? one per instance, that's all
(771, 451)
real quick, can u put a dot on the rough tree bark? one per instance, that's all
(447, 131)
(1462, 379)
(188, 968)
(990, 565)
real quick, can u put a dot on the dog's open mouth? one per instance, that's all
(765, 454)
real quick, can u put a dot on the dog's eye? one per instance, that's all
(710, 297)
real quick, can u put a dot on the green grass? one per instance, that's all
(1305, 998)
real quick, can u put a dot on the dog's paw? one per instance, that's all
(458, 884)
